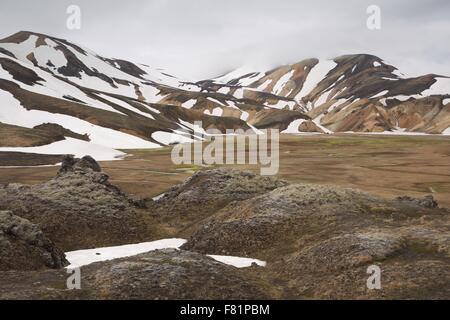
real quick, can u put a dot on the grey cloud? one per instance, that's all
(203, 38)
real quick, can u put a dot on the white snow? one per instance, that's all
(45, 53)
(239, 93)
(322, 99)
(446, 131)
(238, 262)
(282, 82)
(159, 196)
(445, 101)
(249, 80)
(318, 72)
(215, 101)
(441, 86)
(232, 104)
(336, 104)
(149, 108)
(21, 50)
(317, 122)
(78, 148)
(189, 104)
(380, 94)
(54, 87)
(293, 126)
(398, 73)
(404, 97)
(160, 76)
(150, 93)
(195, 127)
(239, 72)
(244, 115)
(168, 138)
(217, 112)
(282, 104)
(91, 60)
(126, 105)
(81, 258)
(376, 64)
(264, 85)
(256, 130)
(390, 79)
(224, 90)
(11, 112)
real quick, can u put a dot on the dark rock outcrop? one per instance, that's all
(70, 164)
(426, 202)
(79, 208)
(208, 191)
(318, 242)
(23, 246)
(169, 274)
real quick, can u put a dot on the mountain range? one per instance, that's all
(57, 97)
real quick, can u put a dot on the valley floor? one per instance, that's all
(384, 165)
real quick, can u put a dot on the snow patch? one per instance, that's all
(293, 126)
(23, 49)
(446, 131)
(282, 82)
(79, 148)
(217, 112)
(224, 90)
(45, 53)
(189, 104)
(264, 85)
(441, 86)
(215, 101)
(81, 258)
(317, 122)
(239, 93)
(317, 74)
(168, 138)
(244, 115)
(13, 113)
(382, 93)
(126, 105)
(238, 262)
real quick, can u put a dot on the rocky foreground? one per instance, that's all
(318, 241)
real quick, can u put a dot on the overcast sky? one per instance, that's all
(204, 38)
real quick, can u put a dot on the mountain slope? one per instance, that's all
(86, 103)
(49, 81)
(358, 93)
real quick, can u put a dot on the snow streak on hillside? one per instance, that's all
(62, 98)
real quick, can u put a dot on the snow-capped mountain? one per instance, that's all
(359, 93)
(57, 97)
(53, 90)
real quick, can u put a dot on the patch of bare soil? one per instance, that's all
(15, 136)
(13, 159)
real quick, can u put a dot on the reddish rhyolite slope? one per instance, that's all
(358, 93)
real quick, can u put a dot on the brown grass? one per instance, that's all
(385, 165)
